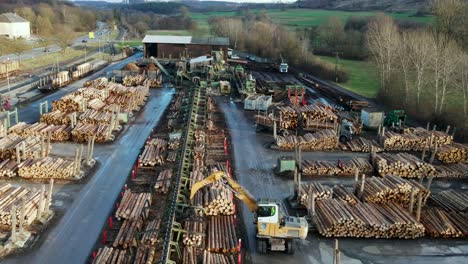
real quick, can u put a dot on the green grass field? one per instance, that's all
(305, 17)
(362, 76)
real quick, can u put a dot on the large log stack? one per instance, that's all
(69, 103)
(133, 205)
(194, 235)
(127, 232)
(361, 144)
(450, 200)
(154, 152)
(56, 117)
(130, 80)
(320, 192)
(440, 223)
(57, 133)
(392, 189)
(9, 168)
(336, 218)
(84, 132)
(342, 193)
(218, 201)
(150, 237)
(29, 147)
(459, 170)
(316, 114)
(289, 118)
(322, 140)
(222, 236)
(341, 168)
(13, 196)
(47, 168)
(455, 153)
(414, 139)
(403, 165)
(91, 116)
(163, 182)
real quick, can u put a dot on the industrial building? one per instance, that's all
(187, 46)
(14, 26)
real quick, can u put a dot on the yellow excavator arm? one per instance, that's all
(229, 183)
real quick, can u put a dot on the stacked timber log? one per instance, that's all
(154, 83)
(403, 165)
(361, 144)
(9, 168)
(459, 170)
(414, 139)
(57, 132)
(222, 236)
(307, 189)
(318, 112)
(341, 193)
(171, 156)
(150, 237)
(69, 103)
(32, 147)
(451, 200)
(91, 93)
(127, 97)
(336, 218)
(190, 255)
(215, 258)
(163, 183)
(130, 80)
(13, 196)
(154, 152)
(440, 223)
(83, 132)
(174, 143)
(194, 233)
(197, 201)
(289, 118)
(56, 117)
(145, 255)
(98, 83)
(96, 104)
(342, 168)
(392, 189)
(218, 201)
(47, 168)
(455, 153)
(96, 117)
(110, 255)
(133, 205)
(322, 140)
(126, 236)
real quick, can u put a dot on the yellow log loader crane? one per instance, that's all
(275, 230)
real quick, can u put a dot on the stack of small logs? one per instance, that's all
(307, 189)
(289, 118)
(174, 143)
(337, 218)
(455, 153)
(96, 104)
(154, 152)
(150, 237)
(47, 168)
(222, 236)
(451, 200)
(440, 223)
(126, 236)
(459, 170)
(91, 116)
(10, 195)
(214, 258)
(91, 93)
(342, 168)
(130, 80)
(218, 201)
(57, 132)
(392, 189)
(414, 139)
(69, 103)
(83, 132)
(145, 255)
(56, 117)
(197, 201)
(32, 147)
(110, 255)
(341, 193)
(318, 112)
(194, 233)
(361, 144)
(322, 140)
(163, 182)
(403, 165)
(98, 83)
(8, 168)
(132, 205)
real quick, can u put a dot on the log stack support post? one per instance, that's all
(73, 120)
(411, 204)
(4, 131)
(363, 182)
(44, 107)
(90, 152)
(15, 115)
(418, 212)
(336, 253)
(274, 129)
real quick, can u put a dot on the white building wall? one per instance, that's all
(16, 30)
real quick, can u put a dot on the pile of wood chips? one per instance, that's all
(403, 165)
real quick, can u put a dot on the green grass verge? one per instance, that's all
(362, 76)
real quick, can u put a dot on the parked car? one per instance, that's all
(252, 58)
(235, 57)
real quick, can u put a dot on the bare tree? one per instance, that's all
(65, 38)
(404, 62)
(19, 46)
(451, 55)
(463, 82)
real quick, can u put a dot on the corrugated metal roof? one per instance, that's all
(186, 40)
(11, 18)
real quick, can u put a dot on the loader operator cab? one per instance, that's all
(347, 131)
(267, 213)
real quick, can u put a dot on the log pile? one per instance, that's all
(451, 200)
(392, 189)
(10, 195)
(163, 182)
(130, 80)
(403, 165)
(341, 168)
(8, 168)
(154, 152)
(190, 255)
(214, 258)
(307, 189)
(145, 255)
(194, 233)
(150, 237)
(341, 193)
(459, 170)
(222, 236)
(318, 112)
(91, 93)
(439, 223)
(83, 132)
(361, 144)
(322, 140)
(69, 103)
(171, 156)
(455, 153)
(414, 139)
(174, 143)
(335, 218)
(133, 205)
(98, 83)
(289, 118)
(218, 201)
(32, 147)
(126, 236)
(56, 117)
(95, 117)
(96, 104)
(47, 168)
(110, 255)
(58, 133)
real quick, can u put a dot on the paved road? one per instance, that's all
(254, 164)
(72, 238)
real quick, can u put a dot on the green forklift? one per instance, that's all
(394, 117)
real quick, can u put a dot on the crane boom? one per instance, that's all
(229, 183)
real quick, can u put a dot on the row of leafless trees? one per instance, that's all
(425, 70)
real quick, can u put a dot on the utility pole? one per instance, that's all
(337, 58)
(85, 52)
(8, 74)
